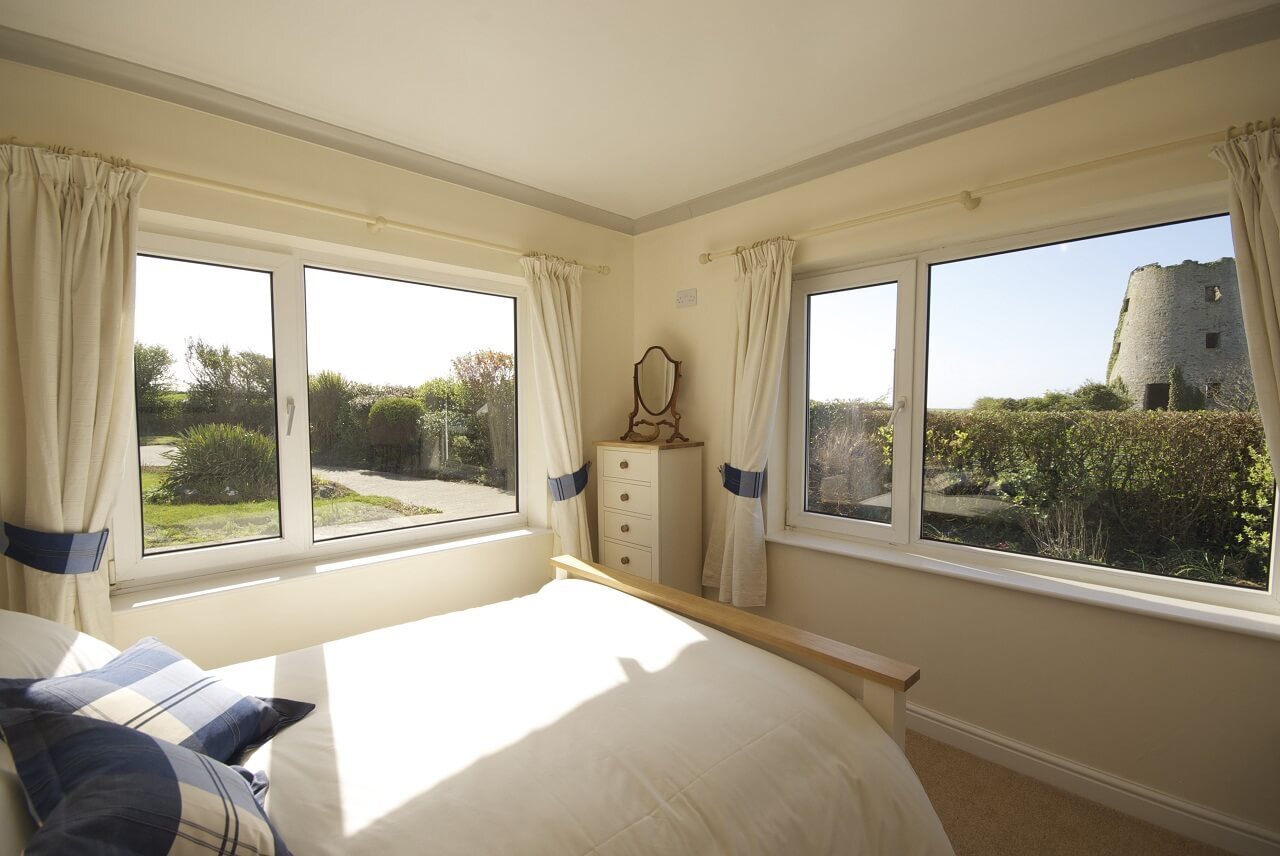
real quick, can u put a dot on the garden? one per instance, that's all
(209, 456)
(1078, 476)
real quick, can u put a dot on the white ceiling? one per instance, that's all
(631, 107)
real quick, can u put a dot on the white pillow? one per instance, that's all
(32, 647)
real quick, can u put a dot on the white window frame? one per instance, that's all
(295, 545)
(904, 274)
(787, 524)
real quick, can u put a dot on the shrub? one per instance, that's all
(220, 463)
(393, 421)
(329, 397)
(393, 429)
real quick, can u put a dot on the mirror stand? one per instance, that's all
(655, 378)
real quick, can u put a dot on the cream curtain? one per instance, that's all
(68, 229)
(735, 562)
(556, 291)
(1253, 162)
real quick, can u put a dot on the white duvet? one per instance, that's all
(577, 720)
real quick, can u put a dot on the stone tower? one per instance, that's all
(1185, 315)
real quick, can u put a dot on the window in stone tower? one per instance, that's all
(1211, 340)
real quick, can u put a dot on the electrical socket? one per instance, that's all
(688, 297)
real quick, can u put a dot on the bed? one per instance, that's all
(589, 719)
(601, 715)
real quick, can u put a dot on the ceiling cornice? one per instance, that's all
(61, 57)
(1200, 43)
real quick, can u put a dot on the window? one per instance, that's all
(205, 391)
(288, 410)
(1212, 294)
(413, 403)
(846, 360)
(1211, 340)
(1036, 443)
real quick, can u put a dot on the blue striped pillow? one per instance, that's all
(155, 690)
(97, 787)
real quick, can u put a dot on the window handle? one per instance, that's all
(899, 405)
(289, 409)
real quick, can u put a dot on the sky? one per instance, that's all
(1010, 325)
(368, 328)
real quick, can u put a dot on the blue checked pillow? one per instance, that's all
(157, 691)
(97, 787)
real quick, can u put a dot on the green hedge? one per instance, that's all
(1156, 483)
(1174, 493)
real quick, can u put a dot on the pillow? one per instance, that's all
(32, 647)
(96, 787)
(157, 691)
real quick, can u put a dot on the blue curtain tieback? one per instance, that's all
(568, 486)
(742, 482)
(55, 552)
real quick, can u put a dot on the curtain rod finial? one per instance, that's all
(377, 225)
(969, 201)
(603, 270)
(704, 258)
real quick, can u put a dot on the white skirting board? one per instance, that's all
(1185, 818)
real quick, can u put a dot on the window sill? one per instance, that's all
(147, 595)
(1247, 622)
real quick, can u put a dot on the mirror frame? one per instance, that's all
(635, 434)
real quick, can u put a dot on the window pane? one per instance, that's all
(413, 403)
(204, 374)
(849, 453)
(1092, 401)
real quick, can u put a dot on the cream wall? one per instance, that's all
(41, 106)
(1185, 710)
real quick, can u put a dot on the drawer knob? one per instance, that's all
(626, 560)
(626, 527)
(622, 465)
(625, 497)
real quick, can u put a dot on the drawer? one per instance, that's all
(624, 496)
(625, 464)
(622, 527)
(627, 558)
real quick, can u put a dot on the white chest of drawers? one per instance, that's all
(650, 511)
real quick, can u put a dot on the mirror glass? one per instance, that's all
(655, 380)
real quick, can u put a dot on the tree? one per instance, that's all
(488, 378)
(233, 388)
(151, 377)
(1091, 395)
(1103, 396)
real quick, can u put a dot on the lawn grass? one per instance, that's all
(168, 526)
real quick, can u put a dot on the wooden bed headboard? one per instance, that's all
(884, 681)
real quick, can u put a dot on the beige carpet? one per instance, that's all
(988, 810)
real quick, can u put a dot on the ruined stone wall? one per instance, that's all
(1164, 322)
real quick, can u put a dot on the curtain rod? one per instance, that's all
(374, 224)
(970, 199)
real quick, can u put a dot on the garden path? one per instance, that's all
(456, 499)
(154, 456)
